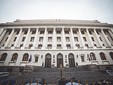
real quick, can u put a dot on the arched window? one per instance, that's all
(25, 57)
(3, 57)
(92, 56)
(102, 56)
(14, 57)
(111, 54)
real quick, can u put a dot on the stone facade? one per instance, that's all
(49, 43)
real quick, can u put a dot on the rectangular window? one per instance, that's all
(82, 32)
(49, 46)
(58, 39)
(76, 39)
(41, 32)
(32, 39)
(33, 32)
(49, 39)
(86, 45)
(23, 39)
(90, 32)
(92, 39)
(66, 32)
(84, 38)
(21, 45)
(30, 45)
(82, 58)
(17, 32)
(67, 39)
(40, 39)
(15, 39)
(6, 39)
(50, 32)
(39, 46)
(100, 38)
(59, 46)
(25, 32)
(74, 32)
(68, 46)
(12, 45)
(58, 32)
(77, 45)
(36, 59)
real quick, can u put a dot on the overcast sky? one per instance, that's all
(101, 10)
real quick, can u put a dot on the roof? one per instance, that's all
(19, 22)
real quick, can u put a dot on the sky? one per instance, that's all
(101, 10)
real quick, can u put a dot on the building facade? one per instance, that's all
(49, 43)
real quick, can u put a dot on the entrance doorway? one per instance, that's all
(71, 60)
(48, 60)
(59, 60)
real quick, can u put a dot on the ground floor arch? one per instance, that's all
(59, 59)
(48, 60)
(71, 60)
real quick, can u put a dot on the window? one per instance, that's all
(49, 32)
(77, 45)
(49, 39)
(23, 39)
(6, 39)
(102, 56)
(92, 39)
(68, 46)
(21, 45)
(32, 39)
(100, 38)
(15, 39)
(25, 32)
(33, 32)
(39, 46)
(41, 32)
(76, 39)
(30, 45)
(12, 45)
(14, 57)
(59, 46)
(84, 38)
(25, 57)
(17, 32)
(86, 45)
(40, 39)
(90, 32)
(82, 32)
(111, 55)
(74, 32)
(58, 39)
(36, 59)
(95, 45)
(82, 58)
(67, 39)
(49, 46)
(92, 56)
(3, 57)
(66, 32)
(58, 32)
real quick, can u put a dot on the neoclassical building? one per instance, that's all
(49, 43)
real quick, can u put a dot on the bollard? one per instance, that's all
(23, 82)
(30, 82)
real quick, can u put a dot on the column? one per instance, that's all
(97, 38)
(90, 40)
(106, 39)
(63, 39)
(27, 37)
(45, 37)
(72, 38)
(2, 34)
(9, 38)
(18, 38)
(36, 39)
(54, 38)
(81, 38)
